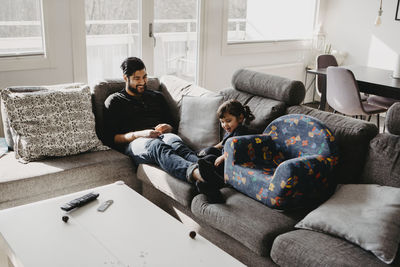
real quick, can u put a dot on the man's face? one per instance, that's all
(137, 82)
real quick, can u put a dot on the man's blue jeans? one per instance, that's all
(168, 151)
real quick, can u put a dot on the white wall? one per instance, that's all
(219, 65)
(349, 27)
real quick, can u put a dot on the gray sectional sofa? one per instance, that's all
(245, 228)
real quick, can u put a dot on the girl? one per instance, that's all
(233, 117)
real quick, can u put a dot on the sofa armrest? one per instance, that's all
(299, 181)
(247, 148)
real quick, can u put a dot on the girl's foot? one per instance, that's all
(212, 193)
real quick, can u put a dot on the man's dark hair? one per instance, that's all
(132, 64)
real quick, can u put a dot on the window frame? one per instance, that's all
(267, 46)
(36, 61)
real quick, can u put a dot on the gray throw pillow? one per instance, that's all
(51, 121)
(364, 214)
(199, 125)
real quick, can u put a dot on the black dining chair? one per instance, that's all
(323, 61)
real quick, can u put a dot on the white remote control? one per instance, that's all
(105, 205)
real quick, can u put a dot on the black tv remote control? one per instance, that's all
(80, 201)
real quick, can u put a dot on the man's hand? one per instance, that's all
(147, 133)
(163, 128)
(129, 137)
(219, 160)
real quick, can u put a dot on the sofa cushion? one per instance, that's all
(55, 121)
(392, 120)
(24, 183)
(199, 124)
(352, 137)
(174, 89)
(176, 189)
(102, 89)
(178, 88)
(245, 219)
(314, 249)
(265, 110)
(269, 86)
(383, 161)
(366, 215)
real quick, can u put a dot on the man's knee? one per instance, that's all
(157, 147)
(170, 138)
(154, 144)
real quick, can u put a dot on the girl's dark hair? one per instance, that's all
(132, 64)
(235, 108)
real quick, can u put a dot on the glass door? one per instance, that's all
(112, 34)
(175, 36)
(161, 32)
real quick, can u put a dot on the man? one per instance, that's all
(138, 123)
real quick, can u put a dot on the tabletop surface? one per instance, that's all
(368, 75)
(131, 232)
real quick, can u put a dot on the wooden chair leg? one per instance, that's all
(369, 118)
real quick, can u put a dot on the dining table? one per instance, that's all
(370, 80)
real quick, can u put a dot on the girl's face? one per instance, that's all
(230, 122)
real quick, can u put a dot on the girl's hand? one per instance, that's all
(219, 160)
(163, 128)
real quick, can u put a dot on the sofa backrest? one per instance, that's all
(100, 92)
(266, 95)
(289, 91)
(352, 136)
(383, 160)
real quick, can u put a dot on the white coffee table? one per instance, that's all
(131, 232)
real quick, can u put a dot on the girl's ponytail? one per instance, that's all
(248, 115)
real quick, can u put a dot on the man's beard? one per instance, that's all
(135, 91)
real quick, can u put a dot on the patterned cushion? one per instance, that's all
(287, 166)
(51, 121)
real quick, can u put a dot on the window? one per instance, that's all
(112, 34)
(270, 20)
(176, 25)
(162, 32)
(21, 28)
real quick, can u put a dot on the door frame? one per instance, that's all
(146, 16)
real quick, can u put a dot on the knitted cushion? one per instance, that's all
(51, 121)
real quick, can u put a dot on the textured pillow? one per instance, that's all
(392, 120)
(199, 125)
(364, 214)
(383, 162)
(51, 121)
